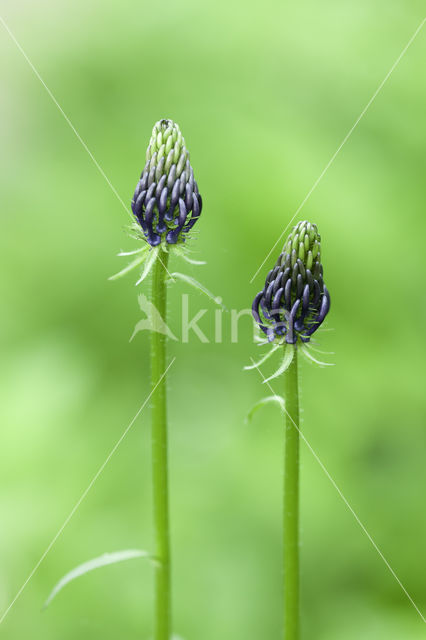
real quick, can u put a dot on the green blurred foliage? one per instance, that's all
(264, 94)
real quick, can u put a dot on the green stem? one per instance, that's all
(291, 503)
(159, 456)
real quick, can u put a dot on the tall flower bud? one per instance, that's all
(294, 300)
(166, 202)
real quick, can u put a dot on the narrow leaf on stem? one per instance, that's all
(197, 285)
(148, 264)
(132, 265)
(286, 362)
(96, 563)
(255, 365)
(278, 400)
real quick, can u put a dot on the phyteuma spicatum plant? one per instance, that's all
(166, 205)
(290, 308)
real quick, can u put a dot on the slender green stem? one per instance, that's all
(159, 456)
(291, 503)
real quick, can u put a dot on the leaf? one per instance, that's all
(255, 365)
(182, 254)
(324, 353)
(95, 563)
(130, 266)
(286, 362)
(197, 285)
(191, 261)
(132, 253)
(309, 356)
(148, 265)
(270, 399)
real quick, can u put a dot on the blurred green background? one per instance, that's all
(264, 94)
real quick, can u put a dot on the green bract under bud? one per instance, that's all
(295, 300)
(166, 202)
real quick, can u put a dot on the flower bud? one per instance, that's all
(166, 202)
(294, 300)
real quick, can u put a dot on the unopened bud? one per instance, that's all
(294, 300)
(166, 202)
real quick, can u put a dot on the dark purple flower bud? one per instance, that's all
(166, 202)
(294, 301)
